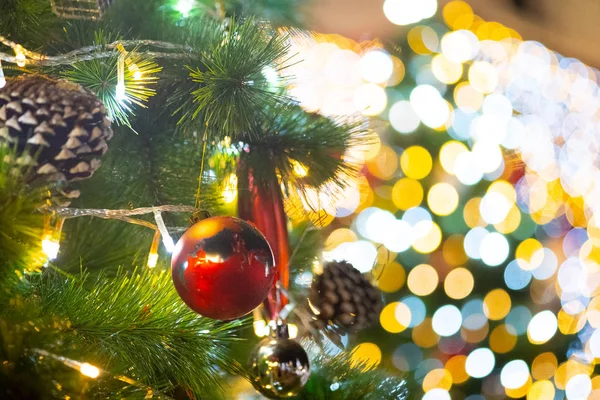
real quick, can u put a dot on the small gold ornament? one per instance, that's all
(279, 365)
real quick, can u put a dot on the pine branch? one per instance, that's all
(100, 77)
(29, 21)
(21, 222)
(137, 326)
(226, 83)
(133, 327)
(338, 377)
(289, 136)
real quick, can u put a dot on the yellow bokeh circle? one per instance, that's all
(416, 162)
(438, 378)
(496, 304)
(366, 356)
(395, 317)
(422, 280)
(459, 283)
(407, 193)
(442, 199)
(431, 241)
(392, 278)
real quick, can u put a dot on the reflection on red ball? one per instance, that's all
(223, 268)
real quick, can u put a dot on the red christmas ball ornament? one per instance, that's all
(223, 267)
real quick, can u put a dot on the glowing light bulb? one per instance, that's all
(89, 370)
(261, 329)
(300, 170)
(2, 78)
(152, 260)
(120, 91)
(20, 56)
(184, 6)
(50, 248)
(230, 190)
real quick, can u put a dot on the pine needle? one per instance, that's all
(137, 325)
(226, 82)
(21, 222)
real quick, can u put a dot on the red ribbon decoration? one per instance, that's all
(260, 202)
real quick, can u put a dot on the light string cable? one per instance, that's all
(91, 52)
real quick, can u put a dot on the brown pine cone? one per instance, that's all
(343, 297)
(58, 128)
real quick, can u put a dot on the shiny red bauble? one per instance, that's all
(223, 267)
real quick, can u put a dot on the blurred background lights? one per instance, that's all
(437, 379)
(541, 390)
(494, 207)
(493, 249)
(446, 70)
(403, 118)
(448, 153)
(367, 355)
(473, 240)
(370, 99)
(459, 283)
(480, 363)
(417, 309)
(460, 46)
(579, 387)
(422, 280)
(376, 66)
(496, 304)
(442, 198)
(416, 162)
(361, 254)
(519, 318)
(488, 160)
(447, 320)
(514, 374)
(467, 169)
(395, 317)
(516, 278)
(429, 105)
(407, 357)
(437, 394)
(406, 12)
(542, 327)
(398, 236)
(483, 76)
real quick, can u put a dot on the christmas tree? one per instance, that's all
(127, 132)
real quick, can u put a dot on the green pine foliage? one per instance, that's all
(95, 303)
(339, 377)
(226, 91)
(21, 222)
(132, 325)
(288, 134)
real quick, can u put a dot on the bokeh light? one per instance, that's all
(481, 180)
(480, 363)
(422, 280)
(459, 283)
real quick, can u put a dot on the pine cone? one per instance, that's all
(342, 296)
(57, 127)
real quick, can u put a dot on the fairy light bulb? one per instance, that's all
(89, 370)
(184, 7)
(230, 190)
(50, 247)
(2, 78)
(153, 254)
(137, 74)
(20, 56)
(120, 89)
